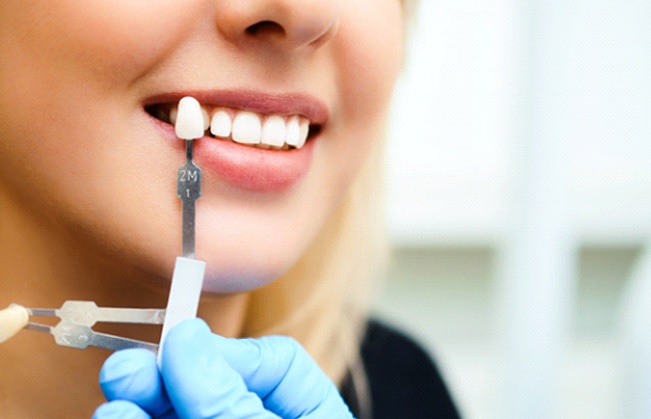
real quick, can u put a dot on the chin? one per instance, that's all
(225, 286)
(244, 251)
(234, 282)
(242, 274)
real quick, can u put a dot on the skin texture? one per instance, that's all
(87, 182)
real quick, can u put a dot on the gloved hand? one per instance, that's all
(203, 375)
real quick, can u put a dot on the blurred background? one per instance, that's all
(519, 183)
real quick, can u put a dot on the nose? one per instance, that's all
(284, 24)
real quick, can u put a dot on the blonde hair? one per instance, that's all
(323, 301)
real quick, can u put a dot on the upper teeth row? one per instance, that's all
(246, 127)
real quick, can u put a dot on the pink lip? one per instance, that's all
(247, 167)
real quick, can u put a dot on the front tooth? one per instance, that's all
(247, 128)
(221, 124)
(274, 131)
(173, 112)
(303, 129)
(206, 119)
(293, 131)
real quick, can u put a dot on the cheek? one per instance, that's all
(66, 63)
(369, 46)
(94, 39)
(368, 53)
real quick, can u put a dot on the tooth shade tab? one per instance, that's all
(189, 123)
(247, 128)
(12, 320)
(221, 124)
(174, 111)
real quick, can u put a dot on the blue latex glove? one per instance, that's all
(203, 375)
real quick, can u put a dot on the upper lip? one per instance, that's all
(267, 103)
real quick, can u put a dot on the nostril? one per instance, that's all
(265, 27)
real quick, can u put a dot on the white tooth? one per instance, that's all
(221, 124)
(274, 131)
(293, 131)
(189, 121)
(173, 112)
(206, 119)
(303, 129)
(247, 128)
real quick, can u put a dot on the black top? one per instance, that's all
(404, 382)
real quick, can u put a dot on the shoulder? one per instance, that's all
(403, 379)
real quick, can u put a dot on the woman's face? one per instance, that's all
(86, 92)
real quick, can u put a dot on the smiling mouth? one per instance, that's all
(254, 129)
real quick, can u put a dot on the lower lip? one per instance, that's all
(247, 167)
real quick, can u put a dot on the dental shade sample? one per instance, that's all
(189, 123)
(12, 320)
(187, 280)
